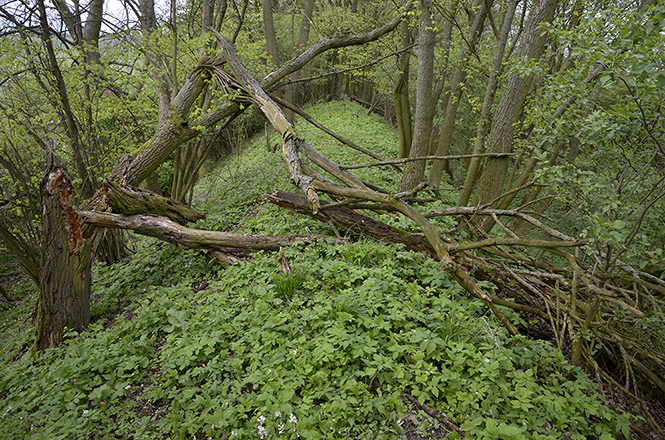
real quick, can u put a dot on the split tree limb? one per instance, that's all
(128, 200)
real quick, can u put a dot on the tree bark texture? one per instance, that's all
(351, 221)
(401, 95)
(510, 106)
(455, 94)
(64, 297)
(129, 201)
(269, 29)
(167, 230)
(422, 127)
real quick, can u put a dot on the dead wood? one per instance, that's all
(496, 241)
(167, 230)
(128, 200)
(438, 415)
(351, 221)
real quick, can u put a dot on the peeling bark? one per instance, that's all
(64, 297)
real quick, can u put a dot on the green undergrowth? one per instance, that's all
(180, 348)
(15, 322)
(233, 193)
(325, 352)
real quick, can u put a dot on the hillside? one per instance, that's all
(361, 340)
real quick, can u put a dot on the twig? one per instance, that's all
(496, 241)
(413, 159)
(443, 418)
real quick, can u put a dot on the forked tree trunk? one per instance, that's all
(64, 298)
(510, 106)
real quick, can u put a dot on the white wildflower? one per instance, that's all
(278, 414)
(261, 419)
(262, 432)
(280, 428)
(292, 419)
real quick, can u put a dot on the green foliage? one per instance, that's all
(360, 324)
(180, 348)
(15, 326)
(614, 194)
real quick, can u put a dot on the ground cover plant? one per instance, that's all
(343, 346)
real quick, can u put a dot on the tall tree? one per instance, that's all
(500, 139)
(455, 93)
(488, 100)
(424, 112)
(401, 94)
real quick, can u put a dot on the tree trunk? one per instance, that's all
(269, 29)
(490, 91)
(414, 171)
(455, 92)
(510, 107)
(67, 115)
(64, 296)
(294, 93)
(401, 95)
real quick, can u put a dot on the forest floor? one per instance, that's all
(363, 340)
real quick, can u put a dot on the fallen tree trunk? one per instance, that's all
(167, 230)
(351, 221)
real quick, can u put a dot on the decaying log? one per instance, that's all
(438, 415)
